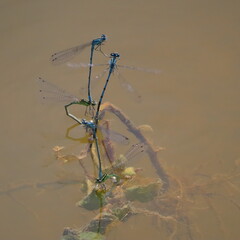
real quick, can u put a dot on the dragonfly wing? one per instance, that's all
(135, 150)
(66, 55)
(98, 77)
(128, 87)
(155, 71)
(94, 80)
(79, 65)
(114, 136)
(50, 92)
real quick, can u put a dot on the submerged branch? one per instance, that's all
(151, 151)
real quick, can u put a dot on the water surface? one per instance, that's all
(192, 106)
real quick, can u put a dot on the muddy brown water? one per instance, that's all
(192, 106)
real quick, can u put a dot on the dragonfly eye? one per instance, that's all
(116, 55)
(104, 37)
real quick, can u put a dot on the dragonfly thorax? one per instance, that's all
(113, 61)
(88, 124)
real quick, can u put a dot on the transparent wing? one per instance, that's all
(114, 136)
(134, 151)
(66, 55)
(97, 78)
(155, 71)
(100, 75)
(79, 65)
(94, 80)
(127, 86)
(86, 65)
(51, 93)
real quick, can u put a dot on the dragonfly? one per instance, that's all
(112, 66)
(65, 55)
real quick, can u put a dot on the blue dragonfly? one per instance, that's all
(66, 55)
(112, 66)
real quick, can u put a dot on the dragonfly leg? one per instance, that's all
(86, 111)
(99, 48)
(91, 110)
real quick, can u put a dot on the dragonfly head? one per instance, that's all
(84, 121)
(104, 37)
(115, 55)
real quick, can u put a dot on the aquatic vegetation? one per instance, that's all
(143, 193)
(72, 234)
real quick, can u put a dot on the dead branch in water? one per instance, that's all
(151, 151)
